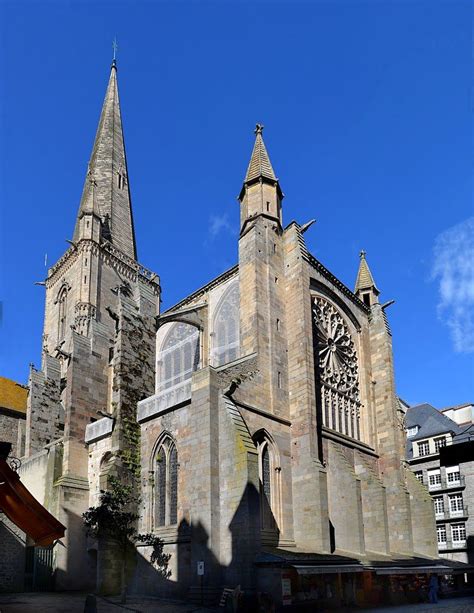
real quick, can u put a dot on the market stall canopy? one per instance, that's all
(24, 510)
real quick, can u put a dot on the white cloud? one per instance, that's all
(219, 224)
(453, 269)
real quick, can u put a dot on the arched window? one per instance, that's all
(166, 484)
(178, 356)
(269, 477)
(336, 364)
(62, 312)
(226, 329)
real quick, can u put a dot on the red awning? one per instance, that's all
(25, 511)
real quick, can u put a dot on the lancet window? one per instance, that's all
(62, 312)
(336, 361)
(269, 478)
(166, 484)
(226, 329)
(178, 356)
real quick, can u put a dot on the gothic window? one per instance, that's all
(62, 313)
(337, 365)
(226, 329)
(269, 477)
(166, 484)
(178, 356)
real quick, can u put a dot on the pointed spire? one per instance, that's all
(260, 165)
(364, 281)
(109, 192)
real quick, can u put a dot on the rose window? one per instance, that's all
(337, 360)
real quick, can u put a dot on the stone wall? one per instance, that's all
(45, 413)
(12, 426)
(12, 556)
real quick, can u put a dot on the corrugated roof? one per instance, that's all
(12, 395)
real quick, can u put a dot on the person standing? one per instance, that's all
(433, 589)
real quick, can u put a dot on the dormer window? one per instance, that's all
(439, 442)
(412, 431)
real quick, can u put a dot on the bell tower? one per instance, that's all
(100, 305)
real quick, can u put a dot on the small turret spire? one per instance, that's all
(259, 165)
(365, 285)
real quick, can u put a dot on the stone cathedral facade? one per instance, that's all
(258, 416)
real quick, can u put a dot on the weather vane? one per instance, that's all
(115, 47)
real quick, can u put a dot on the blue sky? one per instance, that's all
(367, 113)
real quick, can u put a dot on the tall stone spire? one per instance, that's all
(365, 287)
(261, 193)
(106, 187)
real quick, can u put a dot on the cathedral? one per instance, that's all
(258, 417)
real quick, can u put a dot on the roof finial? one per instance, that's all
(362, 254)
(258, 128)
(114, 47)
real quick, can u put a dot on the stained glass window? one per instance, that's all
(166, 484)
(266, 483)
(161, 487)
(173, 488)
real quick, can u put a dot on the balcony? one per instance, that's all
(459, 512)
(164, 400)
(447, 485)
(99, 429)
(450, 514)
(450, 545)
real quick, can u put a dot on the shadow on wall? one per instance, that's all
(78, 571)
(191, 545)
(12, 562)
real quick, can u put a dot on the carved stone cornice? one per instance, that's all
(124, 265)
(230, 376)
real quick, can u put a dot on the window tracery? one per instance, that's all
(337, 364)
(226, 329)
(269, 478)
(166, 484)
(178, 356)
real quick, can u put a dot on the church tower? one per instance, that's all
(100, 306)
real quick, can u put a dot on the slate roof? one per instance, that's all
(431, 422)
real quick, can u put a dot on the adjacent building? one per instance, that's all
(432, 434)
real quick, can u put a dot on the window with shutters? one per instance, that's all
(166, 484)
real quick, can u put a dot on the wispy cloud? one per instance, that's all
(219, 224)
(453, 269)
